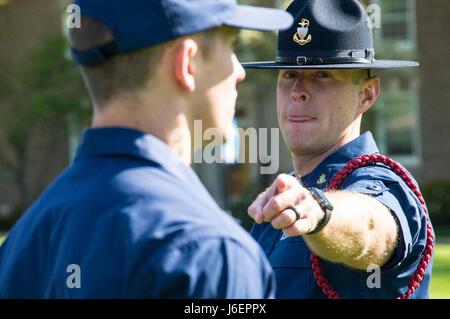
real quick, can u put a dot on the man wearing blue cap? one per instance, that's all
(129, 218)
(349, 222)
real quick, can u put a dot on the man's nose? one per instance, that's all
(299, 93)
(239, 70)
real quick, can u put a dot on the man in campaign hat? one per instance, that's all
(349, 222)
(129, 218)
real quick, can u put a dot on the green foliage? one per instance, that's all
(6, 223)
(36, 98)
(45, 85)
(442, 233)
(437, 197)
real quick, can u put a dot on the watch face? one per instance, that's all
(329, 206)
(321, 198)
(325, 205)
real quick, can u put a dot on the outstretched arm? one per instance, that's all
(361, 231)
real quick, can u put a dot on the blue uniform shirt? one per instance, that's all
(290, 257)
(128, 220)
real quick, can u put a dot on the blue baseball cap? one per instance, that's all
(137, 24)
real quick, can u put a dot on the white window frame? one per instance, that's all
(413, 160)
(409, 44)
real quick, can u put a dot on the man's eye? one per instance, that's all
(290, 75)
(322, 75)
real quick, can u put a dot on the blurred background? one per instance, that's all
(44, 109)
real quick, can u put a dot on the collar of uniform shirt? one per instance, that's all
(364, 144)
(111, 141)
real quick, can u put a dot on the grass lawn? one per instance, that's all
(440, 282)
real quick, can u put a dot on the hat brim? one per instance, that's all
(257, 18)
(378, 64)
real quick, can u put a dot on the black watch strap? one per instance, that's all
(326, 206)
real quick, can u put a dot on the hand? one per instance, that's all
(272, 206)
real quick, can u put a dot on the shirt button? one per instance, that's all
(374, 187)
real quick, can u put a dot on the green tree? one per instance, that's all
(36, 100)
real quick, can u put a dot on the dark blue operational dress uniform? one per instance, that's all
(290, 257)
(136, 223)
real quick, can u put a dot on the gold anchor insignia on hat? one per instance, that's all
(322, 179)
(301, 36)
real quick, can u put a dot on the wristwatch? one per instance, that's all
(326, 206)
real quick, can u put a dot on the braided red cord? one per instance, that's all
(336, 181)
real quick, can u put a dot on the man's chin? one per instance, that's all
(301, 149)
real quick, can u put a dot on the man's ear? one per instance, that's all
(370, 90)
(184, 65)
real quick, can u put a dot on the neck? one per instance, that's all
(164, 119)
(306, 163)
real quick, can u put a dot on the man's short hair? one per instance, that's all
(124, 72)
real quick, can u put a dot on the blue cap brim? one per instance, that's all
(378, 64)
(257, 18)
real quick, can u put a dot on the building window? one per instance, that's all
(395, 118)
(398, 32)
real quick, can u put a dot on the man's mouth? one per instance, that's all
(300, 119)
